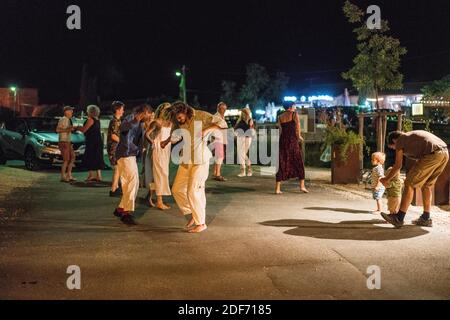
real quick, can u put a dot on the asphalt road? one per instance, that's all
(258, 246)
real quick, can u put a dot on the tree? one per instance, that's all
(111, 78)
(230, 94)
(258, 90)
(253, 90)
(376, 67)
(438, 90)
(277, 86)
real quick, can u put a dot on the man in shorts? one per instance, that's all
(431, 155)
(64, 129)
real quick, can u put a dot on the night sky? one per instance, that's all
(148, 40)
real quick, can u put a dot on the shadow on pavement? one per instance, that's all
(82, 184)
(346, 230)
(224, 189)
(338, 210)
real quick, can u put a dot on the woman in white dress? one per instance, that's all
(161, 156)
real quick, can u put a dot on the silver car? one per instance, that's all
(35, 141)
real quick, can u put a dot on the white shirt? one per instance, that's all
(64, 124)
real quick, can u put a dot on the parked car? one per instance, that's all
(35, 141)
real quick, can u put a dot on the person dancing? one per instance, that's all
(127, 151)
(112, 143)
(161, 156)
(189, 186)
(149, 130)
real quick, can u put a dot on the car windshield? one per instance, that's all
(42, 125)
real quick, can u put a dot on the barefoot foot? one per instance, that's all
(190, 224)
(198, 229)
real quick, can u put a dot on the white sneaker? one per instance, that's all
(242, 174)
(250, 174)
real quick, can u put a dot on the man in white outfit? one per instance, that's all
(189, 186)
(126, 153)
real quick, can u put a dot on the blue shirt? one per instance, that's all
(130, 138)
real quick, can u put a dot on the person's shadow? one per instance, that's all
(338, 210)
(369, 230)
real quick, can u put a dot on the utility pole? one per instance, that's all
(182, 76)
(14, 91)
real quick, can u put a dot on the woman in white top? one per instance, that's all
(159, 132)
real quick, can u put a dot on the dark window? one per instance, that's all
(12, 125)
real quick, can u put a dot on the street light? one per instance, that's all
(14, 91)
(182, 75)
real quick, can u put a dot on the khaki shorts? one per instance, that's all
(427, 170)
(67, 152)
(394, 204)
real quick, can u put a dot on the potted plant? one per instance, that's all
(345, 147)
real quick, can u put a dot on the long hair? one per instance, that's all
(180, 107)
(163, 111)
(246, 116)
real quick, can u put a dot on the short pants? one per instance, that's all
(378, 194)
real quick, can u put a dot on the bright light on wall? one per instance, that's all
(232, 113)
(260, 112)
(321, 98)
(290, 99)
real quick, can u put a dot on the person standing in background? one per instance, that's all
(220, 142)
(93, 158)
(291, 165)
(64, 130)
(112, 143)
(244, 130)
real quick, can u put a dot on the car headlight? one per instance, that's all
(44, 143)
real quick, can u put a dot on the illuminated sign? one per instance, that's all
(290, 99)
(232, 113)
(417, 109)
(320, 98)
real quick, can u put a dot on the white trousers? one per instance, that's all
(129, 176)
(243, 147)
(189, 191)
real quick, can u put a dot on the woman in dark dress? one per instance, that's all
(93, 156)
(291, 162)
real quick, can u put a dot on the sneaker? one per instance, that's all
(421, 222)
(392, 219)
(242, 174)
(128, 220)
(250, 173)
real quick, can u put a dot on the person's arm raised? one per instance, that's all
(89, 123)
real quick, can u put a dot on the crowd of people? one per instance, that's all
(149, 135)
